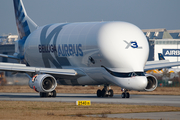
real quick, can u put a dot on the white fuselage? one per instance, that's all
(91, 47)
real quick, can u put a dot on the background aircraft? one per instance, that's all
(88, 53)
(160, 71)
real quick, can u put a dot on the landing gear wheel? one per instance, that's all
(123, 95)
(99, 93)
(127, 95)
(110, 93)
(48, 94)
(53, 93)
(43, 94)
(103, 93)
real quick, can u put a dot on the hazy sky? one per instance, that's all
(146, 14)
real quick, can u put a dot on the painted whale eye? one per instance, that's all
(91, 60)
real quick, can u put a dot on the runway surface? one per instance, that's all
(164, 100)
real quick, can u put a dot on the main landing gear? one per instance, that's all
(125, 93)
(109, 93)
(105, 92)
(48, 94)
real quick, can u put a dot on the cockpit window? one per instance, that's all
(117, 74)
(139, 73)
(130, 74)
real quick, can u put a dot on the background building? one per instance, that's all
(163, 41)
(157, 34)
(170, 48)
(174, 33)
(8, 39)
(7, 46)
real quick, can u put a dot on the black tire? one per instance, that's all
(99, 93)
(103, 93)
(46, 94)
(127, 95)
(54, 93)
(110, 93)
(43, 94)
(123, 95)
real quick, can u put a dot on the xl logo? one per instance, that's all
(133, 44)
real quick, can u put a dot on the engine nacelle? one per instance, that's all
(152, 82)
(43, 83)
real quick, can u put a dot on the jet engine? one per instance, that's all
(152, 82)
(43, 83)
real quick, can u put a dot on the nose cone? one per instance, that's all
(124, 46)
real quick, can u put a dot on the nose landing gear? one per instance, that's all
(105, 92)
(125, 94)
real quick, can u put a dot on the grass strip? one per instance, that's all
(60, 110)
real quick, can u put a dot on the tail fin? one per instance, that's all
(24, 24)
(161, 57)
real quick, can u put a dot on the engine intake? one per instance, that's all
(43, 83)
(152, 82)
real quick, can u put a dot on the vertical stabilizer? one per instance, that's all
(24, 24)
(161, 57)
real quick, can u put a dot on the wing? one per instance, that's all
(160, 64)
(37, 70)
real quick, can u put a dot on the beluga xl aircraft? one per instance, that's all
(87, 53)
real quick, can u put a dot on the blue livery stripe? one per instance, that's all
(21, 22)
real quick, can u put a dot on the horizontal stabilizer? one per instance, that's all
(9, 56)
